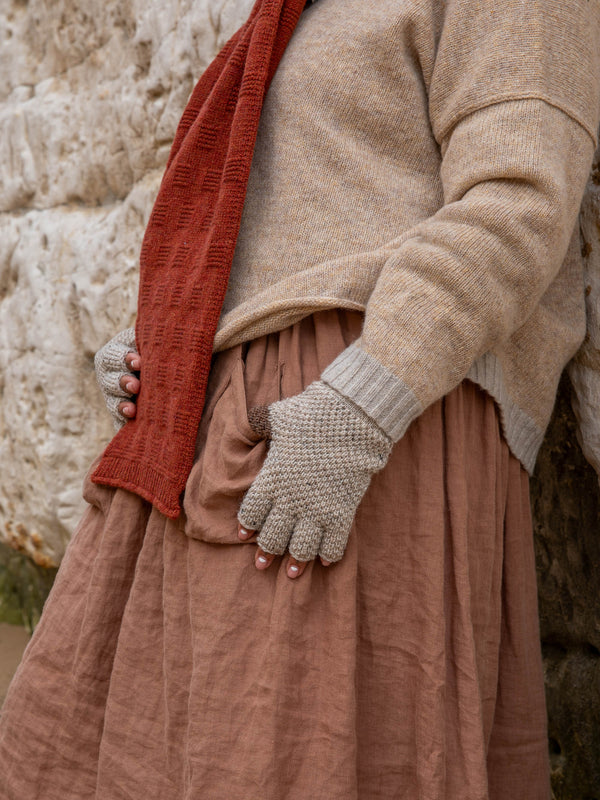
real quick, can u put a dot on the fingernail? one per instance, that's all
(261, 560)
(244, 534)
(135, 363)
(292, 569)
(130, 386)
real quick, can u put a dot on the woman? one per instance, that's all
(405, 291)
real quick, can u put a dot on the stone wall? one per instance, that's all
(566, 510)
(90, 96)
(89, 99)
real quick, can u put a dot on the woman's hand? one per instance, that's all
(115, 365)
(130, 384)
(262, 560)
(324, 450)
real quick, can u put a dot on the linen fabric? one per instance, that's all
(186, 257)
(167, 667)
(431, 176)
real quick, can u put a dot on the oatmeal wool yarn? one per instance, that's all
(110, 366)
(324, 450)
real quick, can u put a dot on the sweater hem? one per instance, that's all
(522, 435)
(234, 328)
(393, 405)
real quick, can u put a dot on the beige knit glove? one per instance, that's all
(324, 450)
(110, 366)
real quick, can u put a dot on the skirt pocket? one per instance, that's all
(230, 457)
(96, 494)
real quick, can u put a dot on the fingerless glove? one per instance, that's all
(324, 450)
(110, 366)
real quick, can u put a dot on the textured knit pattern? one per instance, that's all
(111, 367)
(186, 257)
(323, 453)
(431, 177)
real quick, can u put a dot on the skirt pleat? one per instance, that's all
(167, 667)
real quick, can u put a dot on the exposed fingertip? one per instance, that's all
(262, 561)
(244, 533)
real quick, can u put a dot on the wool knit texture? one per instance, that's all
(323, 452)
(186, 257)
(424, 162)
(110, 367)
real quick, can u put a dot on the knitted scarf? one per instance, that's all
(186, 258)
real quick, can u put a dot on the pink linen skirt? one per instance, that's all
(167, 667)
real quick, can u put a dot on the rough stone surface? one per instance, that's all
(90, 96)
(566, 511)
(89, 99)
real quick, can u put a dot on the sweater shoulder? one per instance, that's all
(488, 52)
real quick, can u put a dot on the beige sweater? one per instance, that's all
(424, 161)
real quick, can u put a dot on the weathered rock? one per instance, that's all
(566, 511)
(90, 98)
(573, 698)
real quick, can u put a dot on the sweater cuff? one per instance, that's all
(373, 387)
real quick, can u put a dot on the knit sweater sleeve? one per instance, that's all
(466, 278)
(513, 102)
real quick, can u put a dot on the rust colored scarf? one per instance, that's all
(186, 258)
